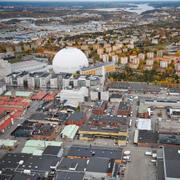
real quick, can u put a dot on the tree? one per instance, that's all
(178, 53)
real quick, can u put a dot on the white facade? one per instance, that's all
(124, 60)
(44, 81)
(105, 58)
(150, 55)
(141, 56)
(5, 68)
(2, 88)
(54, 83)
(105, 95)
(177, 67)
(94, 95)
(74, 95)
(155, 41)
(20, 81)
(163, 64)
(160, 53)
(31, 82)
(150, 62)
(115, 59)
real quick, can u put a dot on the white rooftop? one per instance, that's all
(144, 124)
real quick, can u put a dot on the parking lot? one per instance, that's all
(141, 164)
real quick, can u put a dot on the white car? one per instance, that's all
(154, 155)
(148, 153)
(127, 153)
(153, 160)
(127, 158)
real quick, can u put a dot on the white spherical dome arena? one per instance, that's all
(69, 60)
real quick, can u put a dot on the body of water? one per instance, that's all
(136, 8)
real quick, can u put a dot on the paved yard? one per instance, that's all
(140, 167)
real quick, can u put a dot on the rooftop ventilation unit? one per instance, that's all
(21, 162)
(73, 167)
(27, 171)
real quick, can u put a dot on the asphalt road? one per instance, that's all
(140, 167)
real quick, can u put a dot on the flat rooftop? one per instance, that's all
(90, 128)
(99, 104)
(76, 116)
(169, 127)
(76, 164)
(110, 119)
(99, 65)
(146, 136)
(100, 165)
(52, 150)
(69, 175)
(19, 93)
(124, 106)
(135, 86)
(89, 151)
(172, 162)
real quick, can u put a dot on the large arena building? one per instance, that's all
(69, 60)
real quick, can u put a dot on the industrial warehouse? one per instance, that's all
(61, 122)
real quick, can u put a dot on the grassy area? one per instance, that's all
(15, 60)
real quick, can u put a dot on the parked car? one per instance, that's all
(127, 158)
(127, 153)
(153, 160)
(148, 153)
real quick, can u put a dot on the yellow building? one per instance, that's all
(88, 133)
(98, 69)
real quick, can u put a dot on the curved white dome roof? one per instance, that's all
(69, 60)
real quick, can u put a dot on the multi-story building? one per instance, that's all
(169, 164)
(149, 64)
(115, 59)
(124, 60)
(2, 87)
(105, 58)
(141, 56)
(38, 80)
(99, 107)
(5, 68)
(164, 63)
(17, 79)
(177, 67)
(99, 69)
(77, 95)
(124, 109)
(150, 55)
(133, 62)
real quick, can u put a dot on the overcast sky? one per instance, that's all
(89, 0)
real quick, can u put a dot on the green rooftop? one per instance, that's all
(19, 93)
(69, 131)
(143, 108)
(37, 147)
(8, 142)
